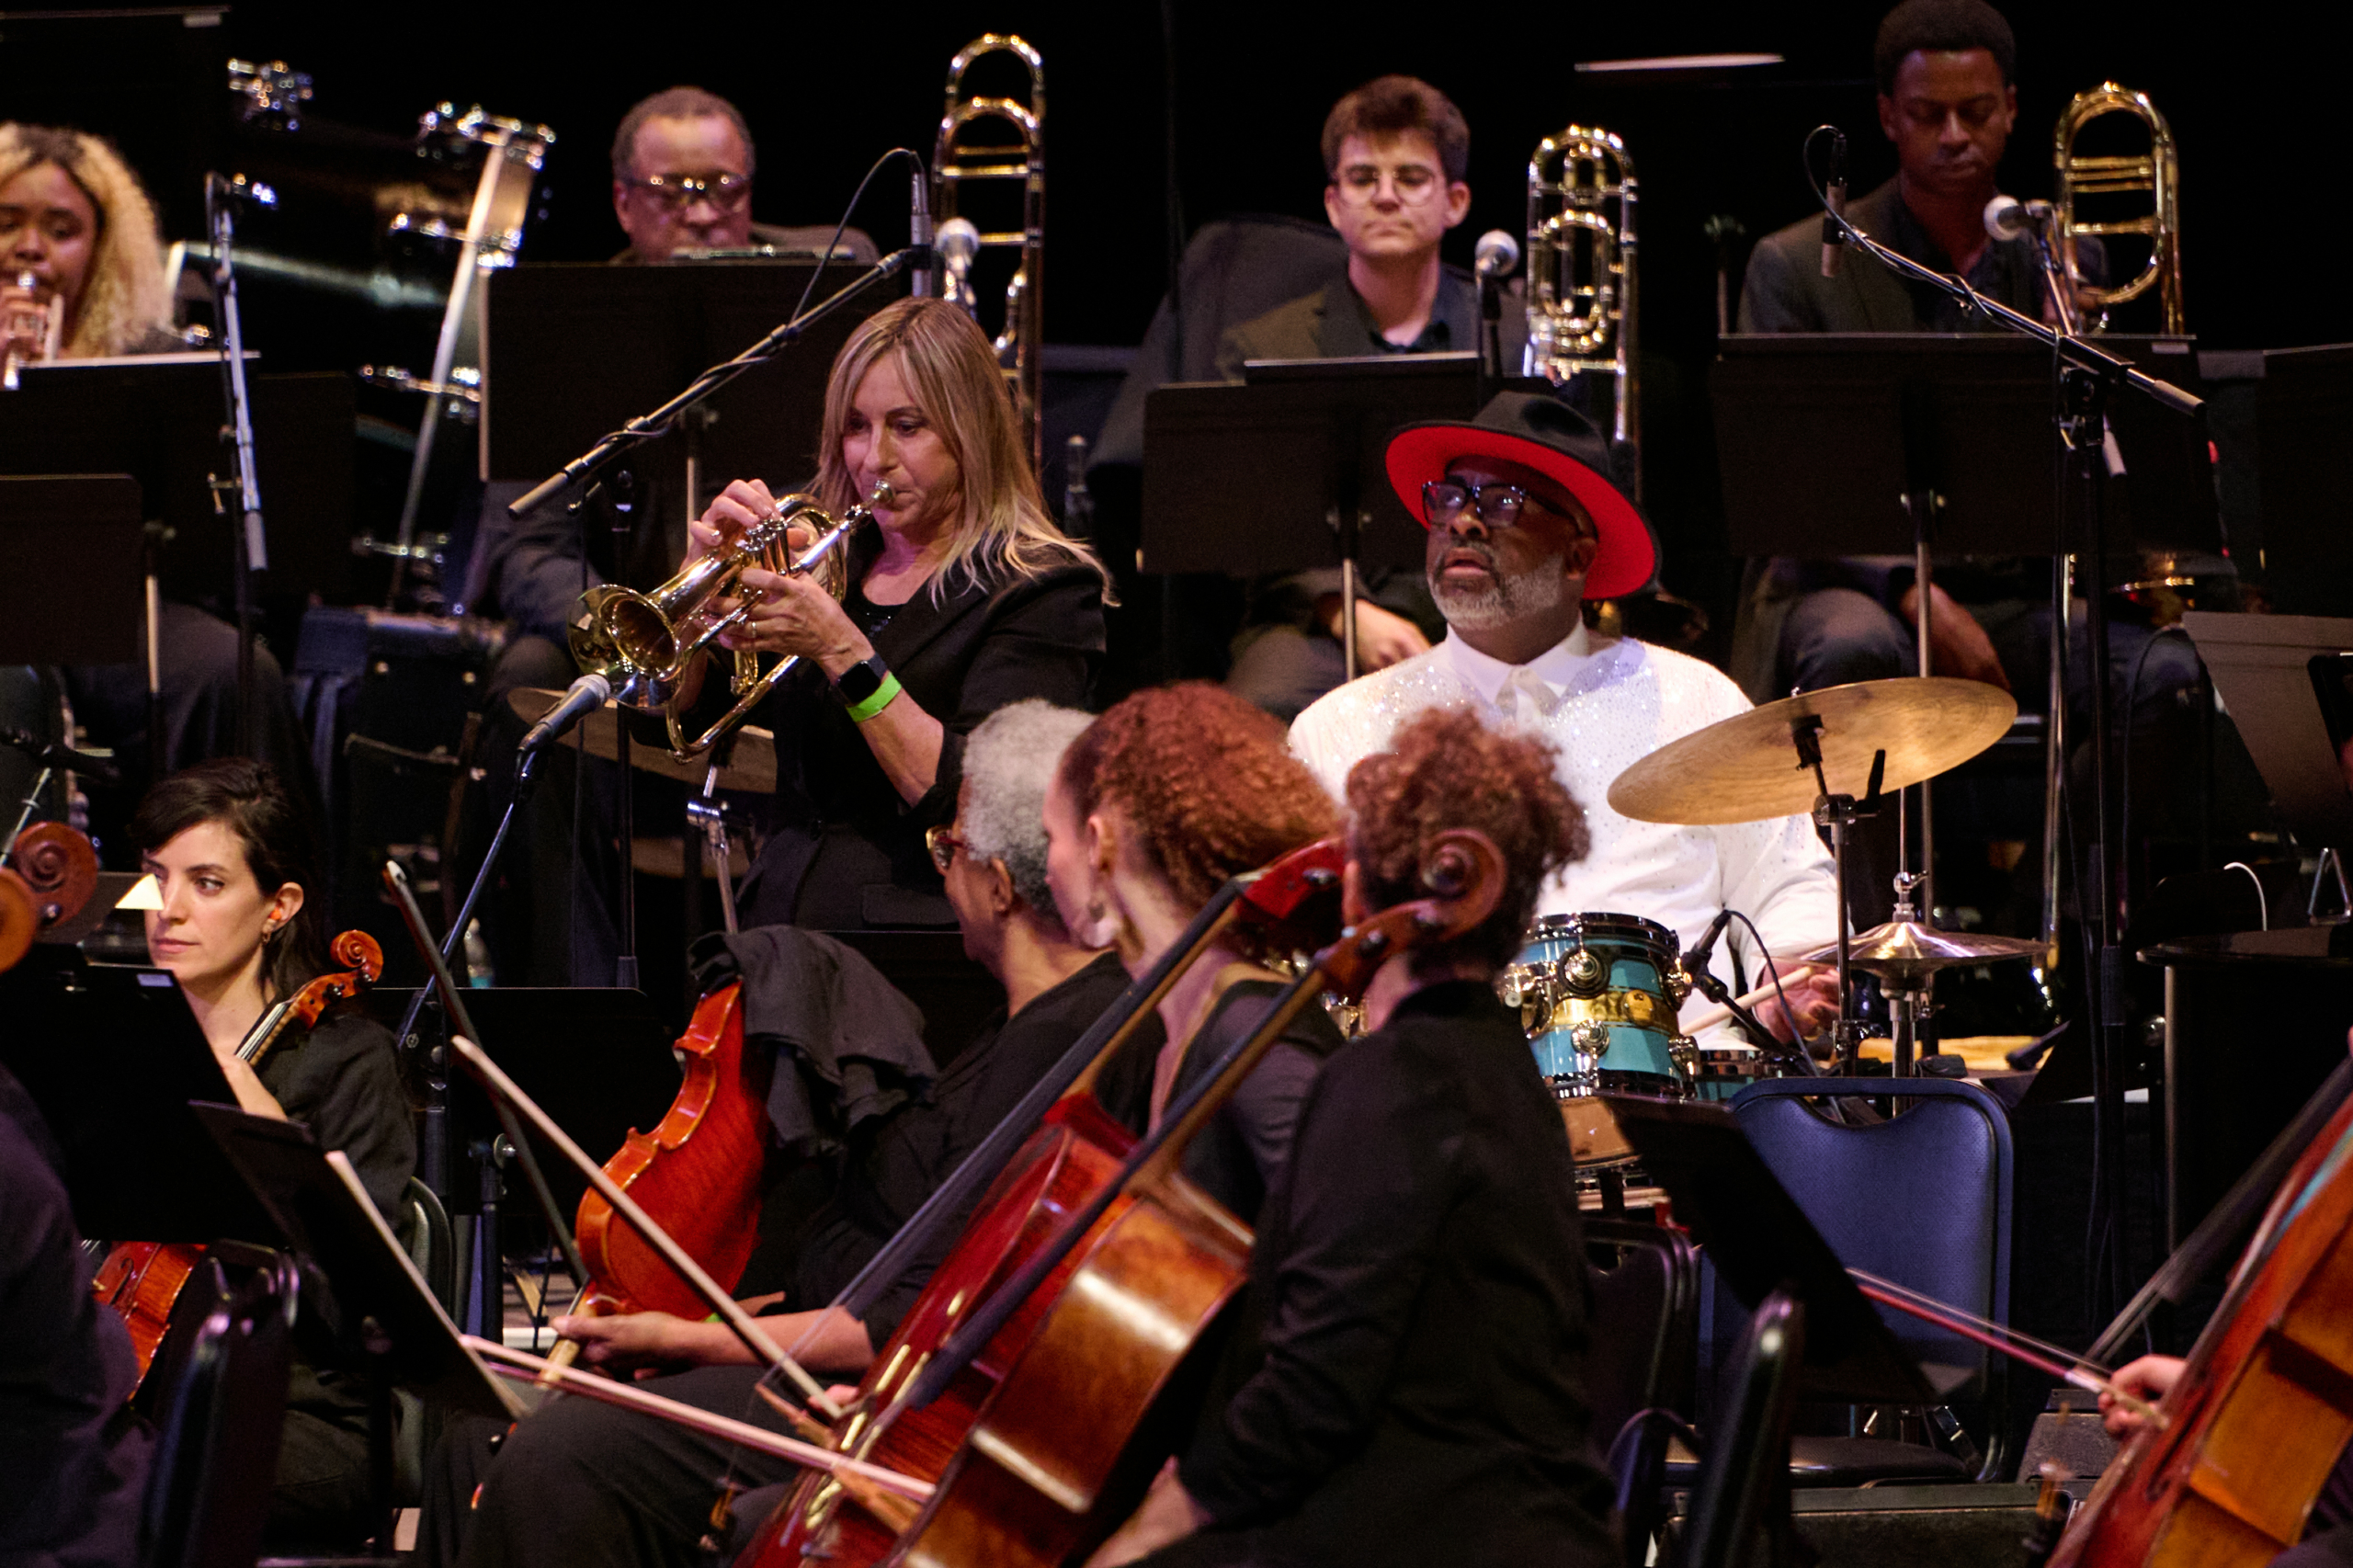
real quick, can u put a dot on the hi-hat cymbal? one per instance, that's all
(1904, 953)
(751, 770)
(1745, 768)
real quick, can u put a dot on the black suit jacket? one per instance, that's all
(1419, 1392)
(1785, 291)
(846, 852)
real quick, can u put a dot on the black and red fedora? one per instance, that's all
(1557, 441)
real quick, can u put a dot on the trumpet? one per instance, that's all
(1581, 271)
(645, 643)
(1017, 154)
(2155, 172)
(29, 328)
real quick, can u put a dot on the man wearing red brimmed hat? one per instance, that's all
(1526, 522)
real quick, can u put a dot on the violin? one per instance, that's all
(143, 1280)
(1100, 1316)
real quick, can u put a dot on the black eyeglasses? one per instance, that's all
(677, 192)
(943, 844)
(1497, 506)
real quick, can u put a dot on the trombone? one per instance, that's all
(2155, 173)
(1581, 271)
(998, 139)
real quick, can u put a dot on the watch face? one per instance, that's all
(860, 682)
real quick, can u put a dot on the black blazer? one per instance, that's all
(1418, 1395)
(846, 854)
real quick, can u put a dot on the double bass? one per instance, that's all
(1045, 1410)
(143, 1280)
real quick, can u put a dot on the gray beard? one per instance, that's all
(1508, 599)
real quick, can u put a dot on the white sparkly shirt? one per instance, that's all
(1605, 704)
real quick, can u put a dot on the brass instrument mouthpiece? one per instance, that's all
(882, 494)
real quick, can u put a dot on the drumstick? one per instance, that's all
(1709, 1016)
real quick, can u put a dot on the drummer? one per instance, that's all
(1525, 523)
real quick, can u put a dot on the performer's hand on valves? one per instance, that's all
(795, 614)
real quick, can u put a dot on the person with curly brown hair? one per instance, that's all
(1155, 806)
(1429, 1192)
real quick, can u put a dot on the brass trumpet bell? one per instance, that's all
(645, 643)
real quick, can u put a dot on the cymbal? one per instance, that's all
(1903, 952)
(752, 770)
(1745, 768)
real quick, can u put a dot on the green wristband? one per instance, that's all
(859, 713)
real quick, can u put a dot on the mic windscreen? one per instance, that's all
(958, 241)
(1497, 253)
(2005, 218)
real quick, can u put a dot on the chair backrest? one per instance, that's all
(1923, 1199)
(1643, 1339)
(216, 1449)
(1747, 1459)
(1234, 271)
(423, 1234)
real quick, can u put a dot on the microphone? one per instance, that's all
(1834, 232)
(1694, 958)
(959, 242)
(1497, 253)
(2007, 218)
(919, 226)
(586, 695)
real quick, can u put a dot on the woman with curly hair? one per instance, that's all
(78, 235)
(1155, 805)
(1417, 1392)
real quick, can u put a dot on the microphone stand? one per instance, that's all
(250, 547)
(2089, 377)
(647, 426)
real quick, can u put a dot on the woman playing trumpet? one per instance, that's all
(964, 598)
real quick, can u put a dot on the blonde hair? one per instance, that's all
(1002, 525)
(123, 299)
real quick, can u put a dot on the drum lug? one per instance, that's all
(1582, 972)
(1679, 984)
(1685, 1053)
(1592, 1042)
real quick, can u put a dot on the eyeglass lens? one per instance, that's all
(1497, 506)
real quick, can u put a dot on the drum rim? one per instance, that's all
(1547, 926)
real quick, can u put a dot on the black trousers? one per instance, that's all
(582, 1484)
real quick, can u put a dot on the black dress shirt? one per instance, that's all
(1418, 1395)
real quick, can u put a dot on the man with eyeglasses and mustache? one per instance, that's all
(1525, 521)
(682, 181)
(1395, 153)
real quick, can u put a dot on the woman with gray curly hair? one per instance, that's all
(78, 242)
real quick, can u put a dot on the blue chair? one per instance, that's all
(1923, 1199)
(1644, 1331)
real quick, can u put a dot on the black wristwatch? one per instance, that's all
(861, 681)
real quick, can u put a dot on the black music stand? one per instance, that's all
(158, 418)
(113, 1057)
(2288, 682)
(2303, 404)
(387, 1314)
(553, 385)
(1230, 473)
(70, 548)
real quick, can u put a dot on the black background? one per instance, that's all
(827, 88)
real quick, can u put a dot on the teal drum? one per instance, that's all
(1598, 995)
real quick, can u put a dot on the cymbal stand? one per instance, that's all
(1907, 998)
(1836, 815)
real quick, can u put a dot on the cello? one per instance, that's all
(2249, 1433)
(1103, 1316)
(143, 1280)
